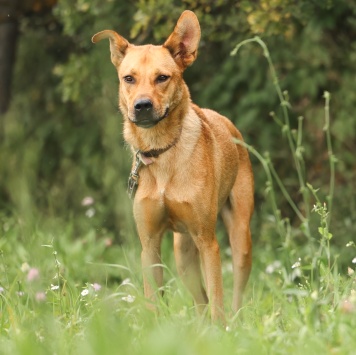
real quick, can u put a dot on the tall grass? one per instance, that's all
(62, 293)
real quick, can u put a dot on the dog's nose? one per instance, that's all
(143, 104)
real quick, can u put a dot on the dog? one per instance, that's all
(187, 168)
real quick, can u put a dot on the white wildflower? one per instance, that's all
(126, 282)
(84, 292)
(296, 264)
(90, 213)
(128, 298)
(314, 295)
(271, 268)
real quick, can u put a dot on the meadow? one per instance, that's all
(83, 295)
(68, 287)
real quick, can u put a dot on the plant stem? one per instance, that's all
(297, 155)
(332, 158)
(266, 165)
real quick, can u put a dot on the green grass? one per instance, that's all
(65, 291)
(283, 312)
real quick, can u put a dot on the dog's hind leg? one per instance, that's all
(210, 255)
(188, 266)
(236, 215)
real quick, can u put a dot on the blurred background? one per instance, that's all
(62, 154)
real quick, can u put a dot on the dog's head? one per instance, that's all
(151, 84)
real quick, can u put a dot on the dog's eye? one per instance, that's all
(129, 79)
(162, 78)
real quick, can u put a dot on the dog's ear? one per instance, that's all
(118, 45)
(184, 40)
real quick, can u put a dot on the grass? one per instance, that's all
(60, 308)
(64, 292)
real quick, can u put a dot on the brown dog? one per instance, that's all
(187, 167)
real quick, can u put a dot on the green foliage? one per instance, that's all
(57, 136)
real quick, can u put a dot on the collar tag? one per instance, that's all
(134, 176)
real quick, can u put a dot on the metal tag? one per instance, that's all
(133, 177)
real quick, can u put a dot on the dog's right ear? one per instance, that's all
(118, 45)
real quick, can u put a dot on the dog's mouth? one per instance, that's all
(150, 122)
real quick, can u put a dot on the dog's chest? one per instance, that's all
(167, 201)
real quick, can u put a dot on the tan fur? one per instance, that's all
(203, 174)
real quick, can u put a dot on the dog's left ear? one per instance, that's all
(184, 40)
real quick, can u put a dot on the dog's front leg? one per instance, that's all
(150, 228)
(210, 255)
(151, 266)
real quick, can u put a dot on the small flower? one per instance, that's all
(314, 295)
(33, 274)
(1, 289)
(296, 264)
(87, 201)
(40, 296)
(227, 267)
(108, 242)
(20, 293)
(126, 282)
(84, 292)
(90, 213)
(128, 298)
(228, 251)
(54, 287)
(183, 312)
(25, 267)
(271, 268)
(96, 286)
(347, 307)
(354, 260)
(40, 338)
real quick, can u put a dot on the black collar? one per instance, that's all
(155, 153)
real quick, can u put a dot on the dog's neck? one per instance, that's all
(155, 153)
(146, 156)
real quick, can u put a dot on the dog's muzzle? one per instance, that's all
(145, 115)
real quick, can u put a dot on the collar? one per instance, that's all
(155, 153)
(146, 156)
